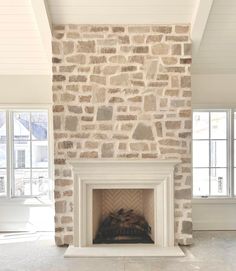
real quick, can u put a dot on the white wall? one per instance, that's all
(214, 91)
(22, 215)
(25, 214)
(25, 89)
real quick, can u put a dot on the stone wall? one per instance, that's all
(121, 91)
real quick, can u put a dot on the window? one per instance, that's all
(3, 157)
(24, 154)
(211, 154)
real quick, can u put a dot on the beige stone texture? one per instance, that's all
(121, 92)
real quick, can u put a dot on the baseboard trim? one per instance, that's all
(121, 251)
(16, 227)
(214, 226)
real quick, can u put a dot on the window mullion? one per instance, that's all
(231, 153)
(8, 155)
(11, 154)
(31, 191)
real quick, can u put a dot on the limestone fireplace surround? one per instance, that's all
(154, 179)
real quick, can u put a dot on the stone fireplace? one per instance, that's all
(102, 186)
(121, 92)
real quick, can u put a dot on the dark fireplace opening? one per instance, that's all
(123, 227)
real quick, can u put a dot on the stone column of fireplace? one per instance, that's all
(121, 92)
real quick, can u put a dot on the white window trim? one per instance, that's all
(231, 197)
(9, 199)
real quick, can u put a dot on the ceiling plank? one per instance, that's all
(199, 21)
(43, 21)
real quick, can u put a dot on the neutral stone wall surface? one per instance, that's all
(121, 92)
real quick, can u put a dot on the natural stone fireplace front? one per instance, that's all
(102, 186)
(121, 91)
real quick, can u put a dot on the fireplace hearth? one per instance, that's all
(124, 227)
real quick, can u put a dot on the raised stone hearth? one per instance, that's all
(153, 184)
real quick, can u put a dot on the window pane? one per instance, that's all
(218, 153)
(218, 182)
(2, 126)
(40, 154)
(39, 124)
(201, 182)
(200, 125)
(22, 154)
(3, 182)
(22, 182)
(3, 161)
(40, 184)
(21, 125)
(218, 125)
(201, 153)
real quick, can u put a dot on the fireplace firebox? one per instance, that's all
(123, 216)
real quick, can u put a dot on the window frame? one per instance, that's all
(230, 155)
(26, 199)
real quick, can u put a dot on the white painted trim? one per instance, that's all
(43, 22)
(16, 226)
(209, 106)
(119, 251)
(123, 174)
(203, 225)
(199, 21)
(29, 202)
(222, 201)
(48, 14)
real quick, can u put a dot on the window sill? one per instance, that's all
(34, 202)
(223, 200)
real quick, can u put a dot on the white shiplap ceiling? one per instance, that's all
(21, 46)
(121, 12)
(26, 40)
(217, 51)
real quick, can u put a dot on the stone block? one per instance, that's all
(185, 193)
(120, 80)
(150, 103)
(68, 47)
(185, 81)
(143, 132)
(107, 150)
(98, 79)
(104, 113)
(175, 124)
(160, 49)
(187, 227)
(77, 59)
(71, 123)
(86, 46)
(60, 206)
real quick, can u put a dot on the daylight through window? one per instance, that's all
(211, 172)
(25, 153)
